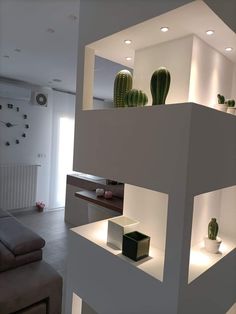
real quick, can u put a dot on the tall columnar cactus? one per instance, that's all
(123, 83)
(221, 99)
(160, 84)
(135, 98)
(213, 229)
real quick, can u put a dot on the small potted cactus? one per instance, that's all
(231, 106)
(221, 103)
(212, 242)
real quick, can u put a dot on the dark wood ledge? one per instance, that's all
(114, 203)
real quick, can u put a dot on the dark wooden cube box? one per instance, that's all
(135, 245)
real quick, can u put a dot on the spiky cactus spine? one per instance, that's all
(160, 84)
(221, 99)
(213, 229)
(123, 83)
(135, 98)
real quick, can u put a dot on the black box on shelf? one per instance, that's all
(135, 245)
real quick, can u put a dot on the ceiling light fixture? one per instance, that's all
(56, 80)
(128, 58)
(6, 56)
(127, 41)
(50, 30)
(228, 49)
(210, 32)
(17, 50)
(164, 29)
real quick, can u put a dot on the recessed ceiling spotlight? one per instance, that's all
(50, 30)
(56, 80)
(127, 41)
(17, 50)
(6, 56)
(228, 49)
(210, 32)
(164, 29)
(72, 17)
(128, 58)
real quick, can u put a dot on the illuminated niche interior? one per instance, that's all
(219, 204)
(150, 209)
(183, 49)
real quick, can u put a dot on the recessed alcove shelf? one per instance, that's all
(219, 204)
(97, 233)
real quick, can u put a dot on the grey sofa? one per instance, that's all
(28, 285)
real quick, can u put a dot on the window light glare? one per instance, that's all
(228, 49)
(210, 32)
(127, 41)
(164, 29)
(128, 58)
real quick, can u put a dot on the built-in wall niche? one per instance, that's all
(219, 204)
(150, 209)
(104, 75)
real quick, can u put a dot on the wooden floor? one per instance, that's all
(49, 225)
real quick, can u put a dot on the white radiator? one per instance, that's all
(18, 184)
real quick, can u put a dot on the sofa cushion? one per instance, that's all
(29, 284)
(4, 214)
(18, 238)
(8, 260)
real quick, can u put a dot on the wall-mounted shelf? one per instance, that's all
(114, 203)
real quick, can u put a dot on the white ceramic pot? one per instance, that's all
(231, 110)
(221, 107)
(212, 246)
(117, 227)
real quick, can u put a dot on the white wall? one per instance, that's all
(41, 142)
(176, 57)
(211, 74)
(36, 147)
(233, 93)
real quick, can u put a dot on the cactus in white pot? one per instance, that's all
(212, 242)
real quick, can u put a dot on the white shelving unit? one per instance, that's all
(182, 152)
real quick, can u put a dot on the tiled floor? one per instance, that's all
(49, 225)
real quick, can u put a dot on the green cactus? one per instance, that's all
(123, 83)
(134, 98)
(230, 102)
(213, 229)
(160, 84)
(221, 99)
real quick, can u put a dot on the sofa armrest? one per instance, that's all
(18, 238)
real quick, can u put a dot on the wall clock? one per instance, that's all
(13, 124)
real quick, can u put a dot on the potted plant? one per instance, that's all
(212, 242)
(221, 103)
(40, 206)
(231, 106)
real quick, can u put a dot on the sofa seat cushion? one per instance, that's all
(8, 260)
(18, 238)
(27, 285)
(4, 214)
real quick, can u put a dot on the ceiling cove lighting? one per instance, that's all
(210, 32)
(127, 41)
(164, 29)
(228, 49)
(128, 58)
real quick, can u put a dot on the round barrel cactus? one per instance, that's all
(160, 84)
(135, 97)
(123, 83)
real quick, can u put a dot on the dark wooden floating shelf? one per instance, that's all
(114, 203)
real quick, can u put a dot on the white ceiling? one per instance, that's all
(193, 18)
(44, 56)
